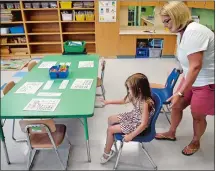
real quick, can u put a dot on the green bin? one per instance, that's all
(74, 47)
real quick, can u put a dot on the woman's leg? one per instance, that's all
(199, 127)
(110, 138)
(113, 120)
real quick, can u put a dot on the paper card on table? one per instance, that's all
(82, 84)
(29, 87)
(44, 105)
(86, 64)
(48, 85)
(48, 94)
(64, 84)
(47, 64)
(68, 63)
(62, 63)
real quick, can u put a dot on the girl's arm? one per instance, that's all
(122, 101)
(142, 126)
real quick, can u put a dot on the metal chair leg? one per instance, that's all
(149, 158)
(118, 157)
(29, 159)
(57, 153)
(115, 144)
(13, 129)
(164, 111)
(6, 152)
(103, 91)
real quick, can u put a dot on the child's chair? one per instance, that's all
(44, 134)
(31, 65)
(101, 79)
(165, 92)
(147, 137)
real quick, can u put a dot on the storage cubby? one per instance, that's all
(41, 15)
(43, 28)
(45, 49)
(78, 27)
(44, 38)
(90, 48)
(79, 37)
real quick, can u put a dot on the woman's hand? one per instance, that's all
(105, 102)
(175, 100)
(127, 137)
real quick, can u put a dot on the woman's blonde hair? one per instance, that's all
(178, 12)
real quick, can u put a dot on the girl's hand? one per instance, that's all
(104, 102)
(127, 137)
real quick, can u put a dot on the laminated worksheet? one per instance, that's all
(86, 64)
(47, 64)
(29, 87)
(82, 84)
(45, 105)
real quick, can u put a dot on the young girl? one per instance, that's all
(134, 122)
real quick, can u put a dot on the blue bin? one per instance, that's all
(58, 74)
(17, 29)
(142, 52)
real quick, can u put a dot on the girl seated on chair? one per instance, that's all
(134, 122)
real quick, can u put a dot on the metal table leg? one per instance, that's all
(87, 139)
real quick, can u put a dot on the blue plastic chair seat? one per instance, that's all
(163, 93)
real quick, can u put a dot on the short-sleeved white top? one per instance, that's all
(198, 38)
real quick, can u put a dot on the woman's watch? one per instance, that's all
(180, 94)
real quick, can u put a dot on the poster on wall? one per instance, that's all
(107, 11)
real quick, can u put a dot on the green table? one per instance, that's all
(73, 103)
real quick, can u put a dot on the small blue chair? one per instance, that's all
(166, 92)
(147, 136)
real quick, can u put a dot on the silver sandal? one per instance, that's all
(109, 156)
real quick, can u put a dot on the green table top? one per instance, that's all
(73, 103)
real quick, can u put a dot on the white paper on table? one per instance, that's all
(42, 105)
(47, 64)
(82, 84)
(63, 63)
(29, 87)
(48, 85)
(64, 84)
(86, 64)
(46, 94)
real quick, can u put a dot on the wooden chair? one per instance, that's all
(31, 65)
(42, 135)
(101, 79)
(8, 87)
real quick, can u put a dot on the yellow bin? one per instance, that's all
(89, 17)
(65, 5)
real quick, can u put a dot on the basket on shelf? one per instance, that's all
(80, 17)
(155, 52)
(74, 46)
(17, 29)
(65, 5)
(67, 17)
(36, 4)
(27, 5)
(44, 4)
(89, 17)
(4, 30)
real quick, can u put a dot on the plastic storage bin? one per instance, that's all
(17, 29)
(53, 5)
(66, 5)
(89, 17)
(72, 46)
(156, 43)
(4, 30)
(80, 17)
(27, 5)
(17, 5)
(44, 4)
(67, 17)
(56, 72)
(36, 4)
(155, 52)
(2, 6)
(142, 52)
(10, 5)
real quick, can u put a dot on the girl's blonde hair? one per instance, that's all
(178, 12)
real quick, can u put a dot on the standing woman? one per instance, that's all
(196, 56)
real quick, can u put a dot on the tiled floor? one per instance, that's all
(167, 155)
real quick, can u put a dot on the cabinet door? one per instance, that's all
(199, 4)
(127, 45)
(190, 4)
(210, 5)
(169, 45)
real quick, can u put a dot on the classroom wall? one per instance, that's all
(206, 16)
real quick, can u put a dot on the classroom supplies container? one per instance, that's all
(155, 52)
(17, 29)
(66, 5)
(142, 52)
(74, 46)
(67, 17)
(55, 72)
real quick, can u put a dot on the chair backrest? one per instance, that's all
(8, 87)
(172, 79)
(31, 65)
(158, 105)
(37, 126)
(103, 64)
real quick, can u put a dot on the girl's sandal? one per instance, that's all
(108, 156)
(191, 150)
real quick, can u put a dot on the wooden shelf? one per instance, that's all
(13, 44)
(77, 9)
(41, 21)
(10, 9)
(35, 9)
(45, 33)
(13, 55)
(42, 54)
(11, 22)
(77, 21)
(90, 42)
(44, 43)
(78, 33)
(18, 34)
